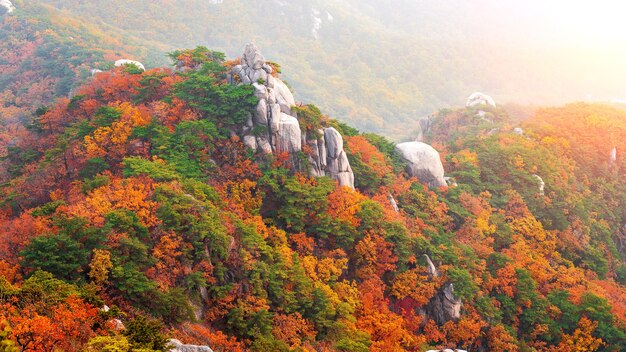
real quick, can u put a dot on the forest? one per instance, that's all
(132, 193)
(132, 212)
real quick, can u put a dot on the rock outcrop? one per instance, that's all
(177, 346)
(450, 181)
(423, 162)
(518, 131)
(424, 124)
(8, 5)
(123, 62)
(478, 98)
(274, 127)
(393, 203)
(337, 164)
(444, 306)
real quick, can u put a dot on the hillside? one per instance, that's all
(202, 203)
(377, 65)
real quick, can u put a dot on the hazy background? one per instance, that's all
(381, 64)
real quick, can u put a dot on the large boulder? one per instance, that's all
(8, 5)
(478, 99)
(423, 162)
(288, 138)
(124, 62)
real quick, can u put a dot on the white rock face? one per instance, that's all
(337, 164)
(280, 128)
(393, 203)
(8, 5)
(423, 162)
(518, 131)
(177, 346)
(123, 62)
(317, 23)
(478, 98)
(284, 97)
(288, 138)
(432, 269)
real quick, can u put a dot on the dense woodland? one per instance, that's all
(127, 189)
(133, 193)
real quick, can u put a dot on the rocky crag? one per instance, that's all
(274, 127)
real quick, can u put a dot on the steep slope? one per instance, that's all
(140, 193)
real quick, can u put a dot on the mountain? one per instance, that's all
(145, 207)
(208, 200)
(380, 65)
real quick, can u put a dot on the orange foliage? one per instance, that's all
(370, 155)
(582, 339)
(344, 204)
(374, 256)
(67, 326)
(500, 340)
(293, 329)
(169, 255)
(132, 194)
(414, 285)
(200, 335)
(387, 329)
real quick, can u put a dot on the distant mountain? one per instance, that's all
(379, 65)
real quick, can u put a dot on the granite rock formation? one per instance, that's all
(444, 306)
(123, 62)
(423, 162)
(478, 99)
(274, 127)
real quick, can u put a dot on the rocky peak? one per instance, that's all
(274, 127)
(478, 99)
